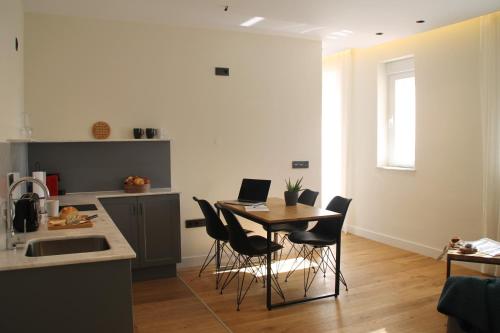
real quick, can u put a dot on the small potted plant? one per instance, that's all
(292, 191)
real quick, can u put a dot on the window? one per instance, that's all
(396, 114)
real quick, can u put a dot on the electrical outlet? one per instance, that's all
(195, 223)
(3, 212)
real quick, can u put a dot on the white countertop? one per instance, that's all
(76, 198)
(103, 226)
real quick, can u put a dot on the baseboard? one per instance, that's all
(404, 244)
(400, 243)
(191, 261)
(394, 241)
(155, 272)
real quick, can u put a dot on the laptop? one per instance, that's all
(252, 192)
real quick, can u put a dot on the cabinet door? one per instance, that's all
(160, 229)
(124, 213)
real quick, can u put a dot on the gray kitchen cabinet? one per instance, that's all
(88, 297)
(160, 229)
(124, 211)
(151, 225)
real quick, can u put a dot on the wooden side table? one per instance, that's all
(477, 257)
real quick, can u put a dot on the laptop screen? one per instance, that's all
(254, 190)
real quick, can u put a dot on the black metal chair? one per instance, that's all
(247, 249)
(319, 239)
(307, 197)
(219, 232)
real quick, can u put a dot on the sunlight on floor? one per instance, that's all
(382, 330)
(281, 266)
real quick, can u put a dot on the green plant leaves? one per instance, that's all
(294, 187)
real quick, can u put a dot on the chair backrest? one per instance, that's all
(214, 226)
(237, 235)
(329, 228)
(308, 197)
(339, 205)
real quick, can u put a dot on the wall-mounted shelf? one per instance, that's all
(74, 141)
(20, 140)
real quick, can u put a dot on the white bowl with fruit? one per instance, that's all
(136, 184)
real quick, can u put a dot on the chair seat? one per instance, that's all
(287, 227)
(311, 238)
(227, 239)
(245, 230)
(259, 245)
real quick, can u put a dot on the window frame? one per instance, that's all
(389, 72)
(391, 115)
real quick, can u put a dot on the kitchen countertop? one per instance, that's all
(111, 194)
(103, 226)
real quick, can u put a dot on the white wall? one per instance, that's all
(11, 90)
(11, 68)
(421, 210)
(253, 123)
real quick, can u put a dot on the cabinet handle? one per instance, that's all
(141, 210)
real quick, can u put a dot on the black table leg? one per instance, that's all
(217, 259)
(337, 263)
(217, 264)
(268, 277)
(448, 267)
(306, 299)
(275, 254)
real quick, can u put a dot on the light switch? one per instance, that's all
(300, 164)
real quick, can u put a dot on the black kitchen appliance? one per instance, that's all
(27, 213)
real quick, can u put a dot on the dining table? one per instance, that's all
(279, 212)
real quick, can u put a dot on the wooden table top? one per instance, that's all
(279, 212)
(478, 257)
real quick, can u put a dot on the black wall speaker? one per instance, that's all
(222, 71)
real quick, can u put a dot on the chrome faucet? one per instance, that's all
(11, 240)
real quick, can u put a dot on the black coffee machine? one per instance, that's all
(27, 213)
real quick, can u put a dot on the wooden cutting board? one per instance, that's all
(87, 224)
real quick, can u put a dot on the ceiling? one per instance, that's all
(311, 19)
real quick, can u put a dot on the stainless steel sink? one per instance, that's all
(52, 247)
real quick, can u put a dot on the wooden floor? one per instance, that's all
(390, 291)
(167, 305)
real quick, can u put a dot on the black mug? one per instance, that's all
(138, 133)
(150, 133)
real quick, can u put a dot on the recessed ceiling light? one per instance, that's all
(252, 21)
(421, 21)
(379, 33)
(347, 31)
(305, 31)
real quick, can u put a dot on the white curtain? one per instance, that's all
(490, 112)
(337, 75)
